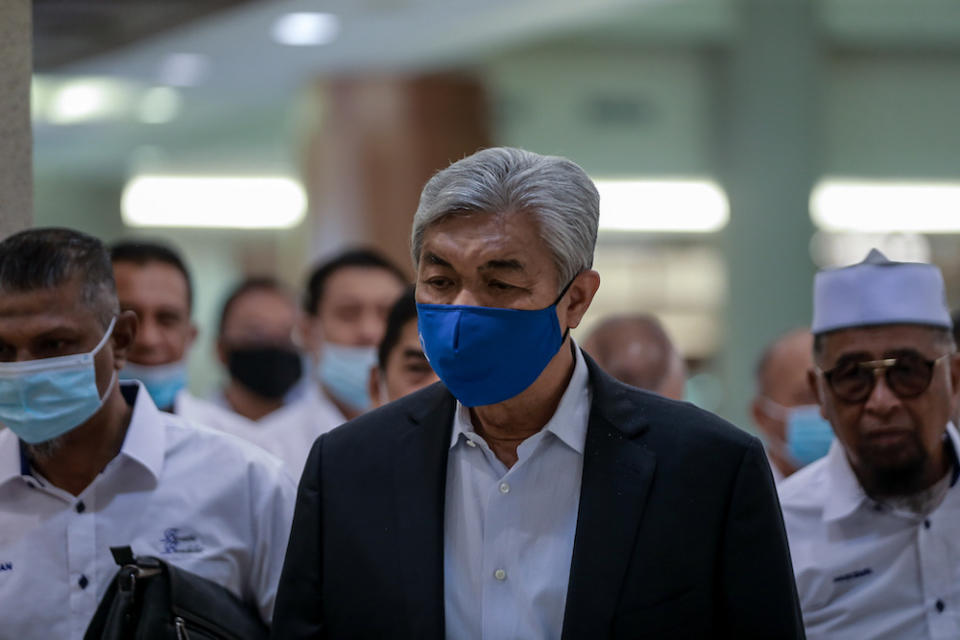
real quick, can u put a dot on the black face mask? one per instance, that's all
(269, 372)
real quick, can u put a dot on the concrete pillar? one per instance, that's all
(16, 139)
(768, 160)
(379, 140)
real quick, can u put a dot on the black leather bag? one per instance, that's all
(150, 599)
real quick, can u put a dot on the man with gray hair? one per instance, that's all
(528, 494)
(88, 462)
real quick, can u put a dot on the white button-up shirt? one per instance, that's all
(202, 500)
(289, 432)
(866, 570)
(508, 533)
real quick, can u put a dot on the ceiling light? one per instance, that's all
(83, 100)
(671, 206)
(306, 29)
(884, 206)
(262, 202)
(159, 105)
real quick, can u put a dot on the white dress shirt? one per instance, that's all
(778, 476)
(508, 533)
(216, 416)
(866, 570)
(199, 499)
(289, 432)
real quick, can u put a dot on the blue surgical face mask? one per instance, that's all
(163, 381)
(485, 355)
(345, 372)
(808, 435)
(43, 399)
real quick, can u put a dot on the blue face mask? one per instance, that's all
(43, 399)
(808, 435)
(345, 372)
(163, 382)
(485, 355)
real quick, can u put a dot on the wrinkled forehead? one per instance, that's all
(24, 314)
(487, 240)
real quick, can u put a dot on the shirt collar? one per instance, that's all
(569, 421)
(143, 443)
(146, 437)
(11, 457)
(845, 494)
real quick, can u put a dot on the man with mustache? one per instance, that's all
(872, 525)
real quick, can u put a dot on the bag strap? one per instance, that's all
(119, 610)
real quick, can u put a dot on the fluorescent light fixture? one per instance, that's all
(159, 105)
(306, 29)
(885, 206)
(183, 69)
(668, 206)
(81, 100)
(226, 202)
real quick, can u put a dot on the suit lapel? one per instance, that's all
(617, 474)
(419, 486)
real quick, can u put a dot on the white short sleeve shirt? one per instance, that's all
(865, 570)
(201, 500)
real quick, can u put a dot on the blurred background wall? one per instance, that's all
(738, 144)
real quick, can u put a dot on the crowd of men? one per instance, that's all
(465, 468)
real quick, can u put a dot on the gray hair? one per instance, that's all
(556, 191)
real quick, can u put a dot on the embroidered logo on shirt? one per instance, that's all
(180, 540)
(853, 575)
(6, 566)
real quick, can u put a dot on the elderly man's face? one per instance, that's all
(488, 260)
(893, 443)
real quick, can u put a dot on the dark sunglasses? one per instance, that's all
(907, 376)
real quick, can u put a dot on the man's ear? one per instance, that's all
(954, 361)
(124, 333)
(221, 351)
(373, 386)
(193, 337)
(579, 296)
(308, 334)
(813, 381)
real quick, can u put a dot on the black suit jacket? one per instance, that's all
(679, 533)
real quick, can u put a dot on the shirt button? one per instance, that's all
(83, 582)
(500, 575)
(81, 507)
(940, 606)
(504, 487)
(471, 443)
(926, 524)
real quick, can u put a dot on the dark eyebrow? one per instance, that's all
(413, 353)
(433, 258)
(853, 357)
(507, 265)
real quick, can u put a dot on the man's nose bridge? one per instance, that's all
(465, 298)
(880, 385)
(148, 332)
